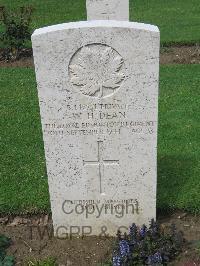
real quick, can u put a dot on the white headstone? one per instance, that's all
(108, 10)
(98, 93)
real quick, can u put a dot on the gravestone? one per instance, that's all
(98, 93)
(108, 9)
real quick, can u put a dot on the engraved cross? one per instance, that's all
(101, 163)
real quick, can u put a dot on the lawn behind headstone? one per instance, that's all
(178, 20)
(24, 181)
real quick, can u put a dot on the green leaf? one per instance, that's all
(9, 261)
(4, 241)
(2, 254)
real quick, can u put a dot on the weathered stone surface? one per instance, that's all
(108, 10)
(98, 93)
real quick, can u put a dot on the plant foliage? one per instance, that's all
(16, 30)
(46, 262)
(147, 246)
(5, 260)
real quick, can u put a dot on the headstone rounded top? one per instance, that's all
(94, 24)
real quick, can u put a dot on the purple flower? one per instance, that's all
(124, 248)
(154, 229)
(156, 258)
(117, 260)
(133, 230)
(143, 231)
(133, 234)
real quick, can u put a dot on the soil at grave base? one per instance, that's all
(169, 55)
(30, 245)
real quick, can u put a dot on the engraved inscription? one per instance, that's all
(101, 163)
(96, 70)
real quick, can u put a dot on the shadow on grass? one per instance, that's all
(175, 178)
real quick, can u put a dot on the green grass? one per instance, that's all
(178, 20)
(24, 181)
(179, 141)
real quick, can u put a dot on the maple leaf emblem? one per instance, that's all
(96, 69)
